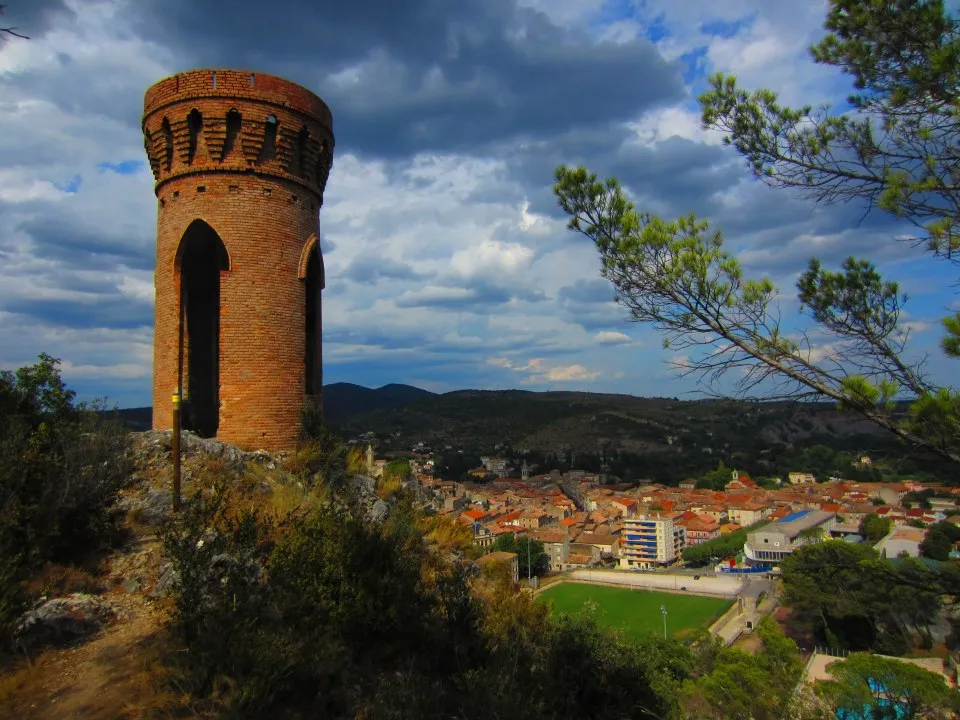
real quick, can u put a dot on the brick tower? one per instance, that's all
(241, 161)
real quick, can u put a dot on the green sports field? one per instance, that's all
(637, 612)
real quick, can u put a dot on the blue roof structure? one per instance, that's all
(795, 516)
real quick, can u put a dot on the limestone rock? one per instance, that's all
(62, 620)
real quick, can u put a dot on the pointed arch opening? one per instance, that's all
(234, 127)
(167, 144)
(195, 127)
(268, 151)
(201, 258)
(311, 272)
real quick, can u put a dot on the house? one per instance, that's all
(451, 504)
(768, 546)
(699, 529)
(748, 513)
(801, 478)
(496, 560)
(903, 539)
(582, 555)
(556, 544)
(740, 482)
(607, 544)
(483, 536)
(494, 465)
(468, 517)
(626, 506)
(688, 484)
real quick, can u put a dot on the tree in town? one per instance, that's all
(939, 540)
(886, 688)
(874, 528)
(743, 685)
(851, 598)
(715, 479)
(894, 152)
(539, 561)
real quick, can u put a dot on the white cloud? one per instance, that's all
(611, 337)
(536, 372)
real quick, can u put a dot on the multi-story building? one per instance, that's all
(495, 465)
(648, 541)
(769, 545)
(700, 529)
(556, 543)
(748, 513)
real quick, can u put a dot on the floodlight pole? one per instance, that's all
(663, 609)
(528, 561)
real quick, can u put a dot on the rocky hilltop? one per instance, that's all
(87, 649)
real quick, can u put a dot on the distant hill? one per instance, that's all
(665, 437)
(584, 422)
(137, 419)
(343, 401)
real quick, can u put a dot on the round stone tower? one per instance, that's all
(241, 161)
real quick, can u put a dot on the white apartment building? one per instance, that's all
(648, 541)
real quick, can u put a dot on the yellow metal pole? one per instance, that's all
(176, 450)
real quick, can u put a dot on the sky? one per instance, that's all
(448, 263)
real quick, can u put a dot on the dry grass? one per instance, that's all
(388, 485)
(449, 534)
(55, 580)
(122, 682)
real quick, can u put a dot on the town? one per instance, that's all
(589, 520)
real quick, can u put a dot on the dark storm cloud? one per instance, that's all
(107, 309)
(449, 76)
(366, 269)
(679, 173)
(586, 291)
(67, 242)
(30, 17)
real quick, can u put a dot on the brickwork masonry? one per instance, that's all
(248, 155)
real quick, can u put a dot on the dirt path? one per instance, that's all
(110, 675)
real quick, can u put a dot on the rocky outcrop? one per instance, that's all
(153, 448)
(62, 620)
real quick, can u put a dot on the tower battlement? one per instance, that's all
(235, 121)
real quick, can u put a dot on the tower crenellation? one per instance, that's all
(236, 121)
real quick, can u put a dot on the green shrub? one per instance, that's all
(325, 614)
(61, 466)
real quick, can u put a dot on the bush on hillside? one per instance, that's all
(61, 465)
(326, 614)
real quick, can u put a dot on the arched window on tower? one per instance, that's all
(313, 315)
(234, 123)
(195, 126)
(200, 259)
(167, 144)
(299, 165)
(269, 149)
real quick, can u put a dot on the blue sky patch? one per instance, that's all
(126, 167)
(71, 186)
